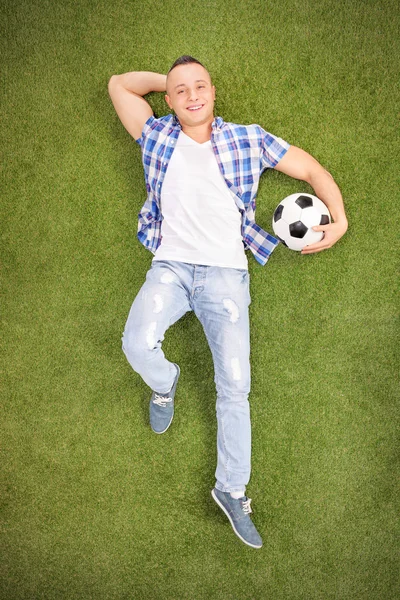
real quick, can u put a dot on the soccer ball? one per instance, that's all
(295, 216)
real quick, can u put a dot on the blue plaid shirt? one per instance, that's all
(243, 152)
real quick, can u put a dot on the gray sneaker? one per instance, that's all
(162, 407)
(238, 512)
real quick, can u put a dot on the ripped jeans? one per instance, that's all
(220, 299)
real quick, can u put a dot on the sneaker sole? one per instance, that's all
(231, 522)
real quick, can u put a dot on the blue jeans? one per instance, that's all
(220, 299)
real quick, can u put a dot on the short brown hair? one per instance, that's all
(185, 60)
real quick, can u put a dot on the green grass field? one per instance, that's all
(94, 505)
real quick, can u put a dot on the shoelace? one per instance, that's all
(161, 400)
(246, 506)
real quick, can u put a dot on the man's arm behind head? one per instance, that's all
(125, 93)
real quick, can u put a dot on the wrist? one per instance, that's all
(342, 222)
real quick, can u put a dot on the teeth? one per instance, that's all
(195, 108)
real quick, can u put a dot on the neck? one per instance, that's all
(202, 131)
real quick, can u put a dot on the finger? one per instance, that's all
(315, 247)
(321, 227)
(313, 251)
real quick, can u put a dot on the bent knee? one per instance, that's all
(140, 344)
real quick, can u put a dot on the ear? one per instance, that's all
(168, 101)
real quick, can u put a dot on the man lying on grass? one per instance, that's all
(202, 177)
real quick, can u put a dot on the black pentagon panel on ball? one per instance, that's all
(324, 220)
(304, 201)
(298, 229)
(278, 212)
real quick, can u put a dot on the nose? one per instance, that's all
(193, 95)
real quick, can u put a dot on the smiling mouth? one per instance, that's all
(196, 109)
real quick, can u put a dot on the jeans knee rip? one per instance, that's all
(150, 335)
(158, 303)
(167, 277)
(237, 373)
(232, 309)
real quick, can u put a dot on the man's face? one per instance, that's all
(190, 86)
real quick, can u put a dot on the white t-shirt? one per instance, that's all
(201, 222)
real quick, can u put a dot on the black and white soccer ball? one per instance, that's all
(294, 218)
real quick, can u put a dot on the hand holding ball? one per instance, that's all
(294, 218)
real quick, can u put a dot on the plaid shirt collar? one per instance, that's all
(216, 124)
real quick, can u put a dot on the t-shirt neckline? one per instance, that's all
(194, 141)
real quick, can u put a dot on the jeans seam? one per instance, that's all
(226, 464)
(177, 313)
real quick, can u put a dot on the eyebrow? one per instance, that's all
(183, 84)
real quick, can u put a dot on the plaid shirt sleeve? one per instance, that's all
(147, 127)
(273, 149)
(261, 243)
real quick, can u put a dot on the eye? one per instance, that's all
(200, 86)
